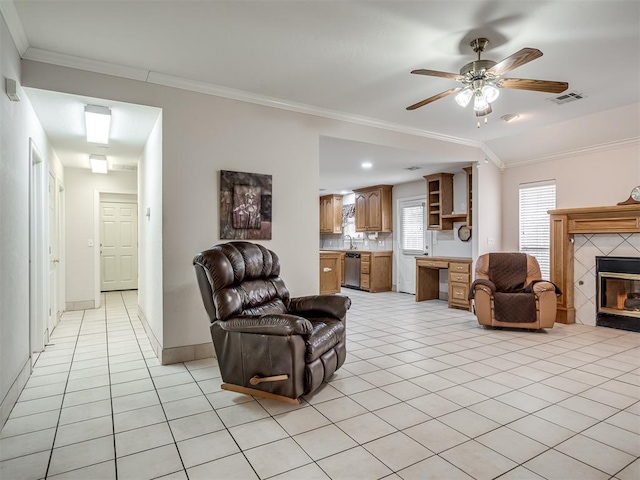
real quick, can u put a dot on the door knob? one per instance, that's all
(55, 260)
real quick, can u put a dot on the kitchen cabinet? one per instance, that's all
(373, 209)
(375, 271)
(330, 272)
(331, 214)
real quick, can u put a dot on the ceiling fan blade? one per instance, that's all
(535, 85)
(516, 60)
(433, 99)
(436, 73)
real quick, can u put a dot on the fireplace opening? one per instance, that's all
(618, 292)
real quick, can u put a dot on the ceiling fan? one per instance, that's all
(482, 79)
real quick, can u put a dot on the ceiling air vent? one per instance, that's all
(128, 168)
(411, 169)
(567, 97)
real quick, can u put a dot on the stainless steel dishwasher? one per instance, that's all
(352, 270)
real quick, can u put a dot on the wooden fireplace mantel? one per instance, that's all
(567, 222)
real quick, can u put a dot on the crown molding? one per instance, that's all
(71, 61)
(10, 14)
(79, 63)
(577, 152)
(63, 60)
(231, 93)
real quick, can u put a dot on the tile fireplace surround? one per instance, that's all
(578, 235)
(586, 248)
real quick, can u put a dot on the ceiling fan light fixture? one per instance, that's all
(464, 97)
(480, 102)
(491, 93)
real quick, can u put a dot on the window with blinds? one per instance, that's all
(412, 227)
(535, 236)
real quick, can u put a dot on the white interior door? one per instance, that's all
(54, 258)
(118, 246)
(411, 241)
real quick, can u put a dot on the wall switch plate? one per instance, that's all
(491, 240)
(90, 243)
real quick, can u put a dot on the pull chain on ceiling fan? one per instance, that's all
(482, 79)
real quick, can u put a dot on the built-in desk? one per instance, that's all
(428, 279)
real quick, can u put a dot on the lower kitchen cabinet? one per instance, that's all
(375, 271)
(330, 271)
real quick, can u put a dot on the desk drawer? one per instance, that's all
(458, 277)
(432, 264)
(459, 267)
(458, 293)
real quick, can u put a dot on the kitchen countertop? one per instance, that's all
(355, 251)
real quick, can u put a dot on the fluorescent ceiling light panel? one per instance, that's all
(97, 121)
(98, 163)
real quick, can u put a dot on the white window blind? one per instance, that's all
(535, 238)
(412, 227)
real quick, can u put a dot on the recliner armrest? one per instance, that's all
(482, 284)
(280, 324)
(334, 305)
(540, 286)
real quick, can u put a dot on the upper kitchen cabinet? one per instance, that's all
(331, 214)
(373, 209)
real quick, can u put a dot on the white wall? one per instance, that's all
(150, 232)
(18, 123)
(600, 178)
(487, 209)
(80, 187)
(204, 134)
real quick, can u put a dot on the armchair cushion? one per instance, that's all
(514, 307)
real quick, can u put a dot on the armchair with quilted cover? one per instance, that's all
(267, 343)
(509, 292)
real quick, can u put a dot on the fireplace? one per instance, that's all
(618, 292)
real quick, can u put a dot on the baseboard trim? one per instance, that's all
(187, 353)
(81, 305)
(15, 389)
(155, 343)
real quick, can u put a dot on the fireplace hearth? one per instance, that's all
(618, 292)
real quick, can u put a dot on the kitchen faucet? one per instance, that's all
(351, 245)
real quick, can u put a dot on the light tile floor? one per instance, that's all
(425, 393)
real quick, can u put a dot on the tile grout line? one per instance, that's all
(155, 389)
(53, 443)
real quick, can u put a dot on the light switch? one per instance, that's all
(491, 240)
(90, 242)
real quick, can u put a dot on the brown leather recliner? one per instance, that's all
(509, 292)
(268, 344)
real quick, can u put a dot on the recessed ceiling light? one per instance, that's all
(367, 165)
(345, 192)
(510, 117)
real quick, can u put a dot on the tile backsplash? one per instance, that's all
(586, 249)
(384, 241)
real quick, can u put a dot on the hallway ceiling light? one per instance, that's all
(97, 121)
(98, 163)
